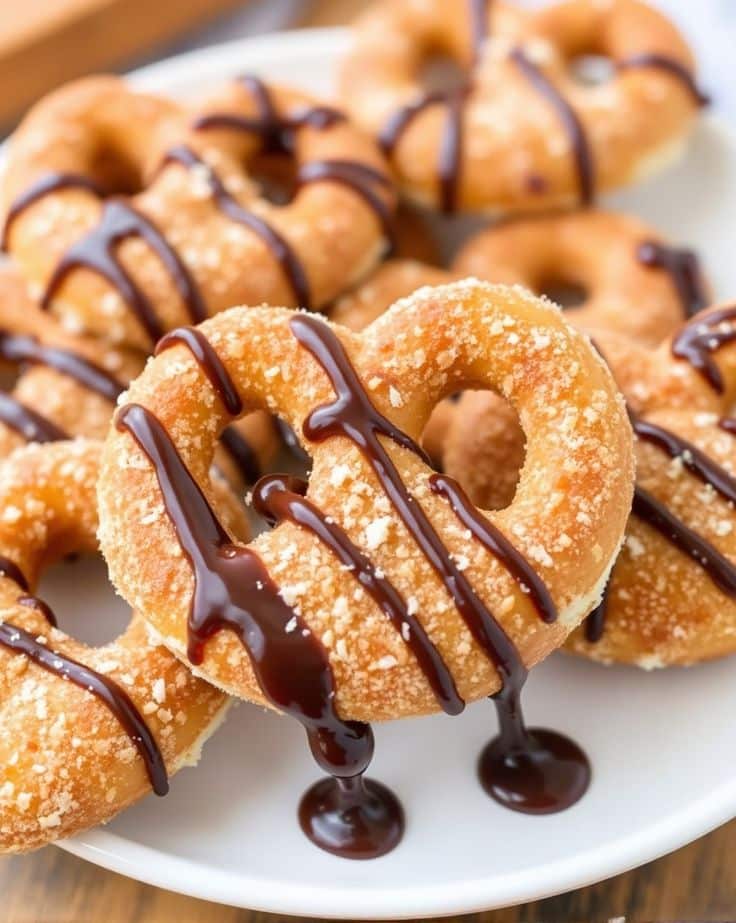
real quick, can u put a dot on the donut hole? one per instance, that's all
(476, 438)
(567, 293)
(275, 175)
(79, 592)
(442, 73)
(591, 69)
(115, 172)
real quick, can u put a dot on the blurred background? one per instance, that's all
(45, 42)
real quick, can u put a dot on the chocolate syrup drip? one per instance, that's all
(242, 453)
(96, 252)
(698, 340)
(31, 425)
(11, 570)
(671, 66)
(450, 149)
(280, 497)
(19, 641)
(43, 186)
(720, 570)
(478, 13)
(360, 178)
(27, 350)
(208, 360)
(277, 134)
(233, 590)
(33, 602)
(684, 270)
(521, 768)
(696, 462)
(570, 121)
(278, 246)
(595, 623)
(728, 425)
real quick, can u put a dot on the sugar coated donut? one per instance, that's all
(628, 279)
(135, 215)
(85, 731)
(520, 129)
(418, 551)
(672, 594)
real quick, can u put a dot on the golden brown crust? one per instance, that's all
(101, 128)
(567, 518)
(66, 762)
(517, 155)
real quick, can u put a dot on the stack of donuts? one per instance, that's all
(200, 295)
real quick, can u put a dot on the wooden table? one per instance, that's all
(695, 883)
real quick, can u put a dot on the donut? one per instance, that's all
(671, 599)
(67, 385)
(85, 732)
(628, 279)
(520, 128)
(375, 533)
(135, 215)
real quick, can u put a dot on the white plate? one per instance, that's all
(662, 745)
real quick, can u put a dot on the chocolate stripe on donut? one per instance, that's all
(22, 349)
(683, 268)
(570, 121)
(275, 132)
(233, 590)
(728, 425)
(11, 570)
(279, 247)
(96, 252)
(698, 340)
(278, 498)
(19, 641)
(208, 360)
(359, 178)
(242, 453)
(450, 148)
(31, 425)
(353, 416)
(696, 462)
(45, 185)
(672, 67)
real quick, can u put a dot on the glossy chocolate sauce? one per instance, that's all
(520, 768)
(671, 66)
(279, 497)
(278, 246)
(96, 252)
(728, 425)
(11, 570)
(27, 350)
(242, 453)
(31, 425)
(291, 443)
(683, 268)
(45, 185)
(362, 180)
(574, 128)
(233, 590)
(208, 360)
(276, 133)
(20, 641)
(698, 340)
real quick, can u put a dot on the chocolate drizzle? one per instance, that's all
(20, 641)
(671, 66)
(233, 590)
(683, 268)
(522, 769)
(11, 570)
(27, 350)
(31, 425)
(208, 360)
(361, 179)
(728, 425)
(698, 340)
(242, 453)
(583, 156)
(96, 252)
(45, 185)
(276, 133)
(278, 498)
(278, 246)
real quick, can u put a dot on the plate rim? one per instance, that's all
(182, 875)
